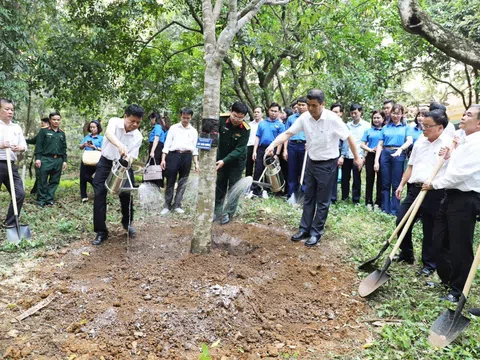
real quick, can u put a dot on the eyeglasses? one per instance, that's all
(236, 117)
(430, 126)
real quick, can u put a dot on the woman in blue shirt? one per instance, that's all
(92, 142)
(370, 140)
(390, 157)
(417, 130)
(156, 141)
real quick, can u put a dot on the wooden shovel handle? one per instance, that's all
(471, 274)
(404, 220)
(418, 202)
(12, 184)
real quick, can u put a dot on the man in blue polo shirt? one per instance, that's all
(294, 149)
(267, 131)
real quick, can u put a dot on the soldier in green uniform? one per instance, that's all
(50, 159)
(231, 158)
(33, 141)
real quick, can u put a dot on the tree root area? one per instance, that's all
(256, 295)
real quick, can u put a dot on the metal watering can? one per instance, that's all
(119, 177)
(272, 174)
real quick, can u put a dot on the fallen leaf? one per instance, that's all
(367, 345)
(86, 253)
(60, 264)
(215, 344)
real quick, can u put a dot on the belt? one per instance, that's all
(5, 161)
(456, 191)
(53, 156)
(417, 184)
(183, 151)
(392, 147)
(322, 161)
(298, 141)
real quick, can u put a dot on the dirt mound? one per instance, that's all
(257, 293)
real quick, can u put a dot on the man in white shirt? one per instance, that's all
(357, 127)
(455, 222)
(323, 129)
(257, 117)
(122, 140)
(11, 140)
(424, 157)
(180, 147)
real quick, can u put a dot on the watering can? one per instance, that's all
(273, 173)
(119, 177)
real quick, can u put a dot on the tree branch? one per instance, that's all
(182, 51)
(194, 14)
(417, 22)
(451, 85)
(469, 82)
(216, 10)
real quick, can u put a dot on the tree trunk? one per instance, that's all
(202, 235)
(416, 21)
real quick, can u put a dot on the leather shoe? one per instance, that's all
(450, 297)
(425, 272)
(100, 238)
(300, 235)
(314, 240)
(225, 219)
(406, 259)
(474, 311)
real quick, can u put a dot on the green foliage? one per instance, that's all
(205, 355)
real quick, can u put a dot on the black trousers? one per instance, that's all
(86, 176)
(335, 186)
(227, 177)
(347, 169)
(100, 203)
(156, 161)
(427, 212)
(250, 163)
(259, 167)
(371, 181)
(18, 185)
(178, 164)
(319, 177)
(453, 234)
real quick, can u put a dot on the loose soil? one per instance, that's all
(257, 295)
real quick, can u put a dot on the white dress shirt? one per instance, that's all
(132, 140)
(182, 139)
(463, 168)
(253, 132)
(322, 134)
(14, 135)
(425, 157)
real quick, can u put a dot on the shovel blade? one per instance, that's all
(372, 282)
(447, 328)
(15, 235)
(367, 265)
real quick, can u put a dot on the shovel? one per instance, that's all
(17, 232)
(451, 323)
(367, 264)
(297, 195)
(379, 277)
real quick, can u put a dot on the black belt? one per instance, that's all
(392, 147)
(5, 161)
(417, 184)
(53, 156)
(183, 151)
(456, 191)
(322, 161)
(298, 141)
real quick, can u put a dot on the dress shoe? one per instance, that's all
(100, 238)
(425, 272)
(215, 218)
(474, 311)
(50, 203)
(450, 297)
(314, 240)
(405, 259)
(225, 219)
(434, 285)
(300, 235)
